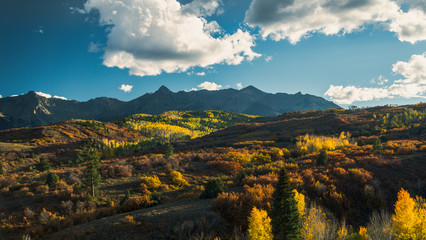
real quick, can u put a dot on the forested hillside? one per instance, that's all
(346, 174)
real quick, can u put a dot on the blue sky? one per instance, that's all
(359, 54)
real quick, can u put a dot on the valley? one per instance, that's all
(148, 172)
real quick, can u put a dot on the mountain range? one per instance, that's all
(35, 109)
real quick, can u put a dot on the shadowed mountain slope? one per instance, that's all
(32, 109)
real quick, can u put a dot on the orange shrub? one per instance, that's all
(137, 202)
(116, 171)
(236, 207)
(225, 166)
(229, 206)
(270, 178)
(340, 172)
(361, 175)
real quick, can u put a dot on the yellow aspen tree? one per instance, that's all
(421, 212)
(363, 233)
(342, 232)
(300, 200)
(405, 218)
(259, 227)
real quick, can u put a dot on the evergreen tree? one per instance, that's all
(168, 150)
(213, 188)
(377, 146)
(51, 179)
(285, 214)
(126, 196)
(92, 177)
(44, 165)
(322, 157)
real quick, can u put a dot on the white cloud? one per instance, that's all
(350, 94)
(268, 58)
(126, 88)
(94, 47)
(59, 97)
(210, 86)
(410, 26)
(1, 96)
(239, 86)
(202, 7)
(75, 10)
(14, 95)
(381, 80)
(200, 73)
(414, 71)
(154, 36)
(412, 85)
(44, 94)
(297, 19)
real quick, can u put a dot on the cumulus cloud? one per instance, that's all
(202, 7)
(297, 19)
(154, 36)
(210, 86)
(126, 88)
(414, 71)
(239, 86)
(1, 96)
(410, 26)
(412, 85)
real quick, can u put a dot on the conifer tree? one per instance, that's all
(285, 214)
(322, 157)
(51, 178)
(168, 150)
(377, 146)
(92, 177)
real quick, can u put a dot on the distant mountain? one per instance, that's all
(32, 109)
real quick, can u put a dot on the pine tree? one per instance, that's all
(51, 179)
(285, 214)
(377, 146)
(168, 150)
(44, 165)
(322, 157)
(92, 177)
